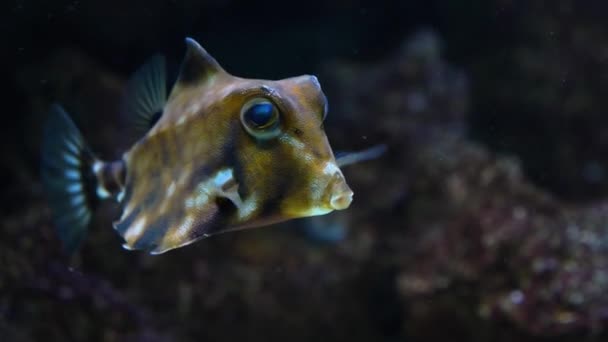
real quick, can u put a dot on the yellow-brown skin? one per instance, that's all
(172, 195)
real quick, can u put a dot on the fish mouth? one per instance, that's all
(335, 195)
(340, 195)
(341, 201)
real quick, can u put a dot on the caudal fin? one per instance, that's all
(67, 173)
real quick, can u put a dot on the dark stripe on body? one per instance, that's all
(123, 225)
(153, 234)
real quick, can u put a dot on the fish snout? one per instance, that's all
(340, 194)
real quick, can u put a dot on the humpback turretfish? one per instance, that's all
(219, 153)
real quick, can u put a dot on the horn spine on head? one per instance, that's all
(198, 65)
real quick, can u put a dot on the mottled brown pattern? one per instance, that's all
(199, 172)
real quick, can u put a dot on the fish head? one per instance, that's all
(269, 134)
(282, 155)
(230, 153)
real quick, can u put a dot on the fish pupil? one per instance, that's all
(260, 114)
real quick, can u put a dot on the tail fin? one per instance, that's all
(67, 173)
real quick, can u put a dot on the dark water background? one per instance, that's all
(485, 220)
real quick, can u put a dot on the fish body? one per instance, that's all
(220, 153)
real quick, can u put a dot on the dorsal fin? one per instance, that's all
(146, 94)
(198, 65)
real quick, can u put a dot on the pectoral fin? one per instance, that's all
(348, 158)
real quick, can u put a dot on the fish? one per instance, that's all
(217, 153)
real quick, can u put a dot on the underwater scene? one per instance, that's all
(310, 171)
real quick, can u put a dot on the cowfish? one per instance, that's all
(218, 153)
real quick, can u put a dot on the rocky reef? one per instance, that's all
(478, 243)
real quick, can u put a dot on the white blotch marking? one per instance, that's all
(71, 159)
(185, 227)
(293, 142)
(205, 189)
(72, 174)
(183, 178)
(200, 198)
(181, 120)
(299, 147)
(127, 210)
(331, 169)
(308, 157)
(120, 195)
(171, 189)
(102, 192)
(316, 211)
(222, 177)
(193, 108)
(127, 247)
(248, 207)
(136, 229)
(74, 188)
(189, 202)
(97, 166)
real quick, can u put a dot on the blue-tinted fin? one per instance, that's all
(68, 177)
(329, 229)
(146, 94)
(347, 158)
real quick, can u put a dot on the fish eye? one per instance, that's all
(260, 117)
